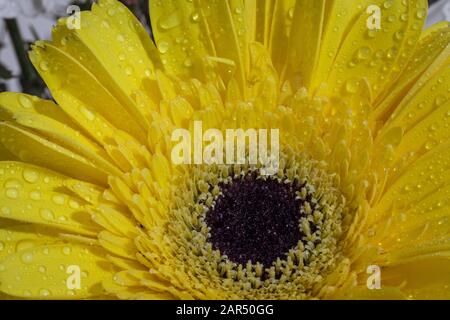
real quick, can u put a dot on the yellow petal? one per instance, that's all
(31, 148)
(305, 39)
(430, 54)
(385, 52)
(24, 236)
(424, 176)
(43, 272)
(58, 128)
(32, 194)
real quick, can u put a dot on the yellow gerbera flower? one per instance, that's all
(92, 205)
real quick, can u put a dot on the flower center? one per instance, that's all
(255, 219)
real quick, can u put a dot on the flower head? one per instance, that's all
(88, 185)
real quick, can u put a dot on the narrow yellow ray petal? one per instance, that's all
(305, 39)
(420, 179)
(428, 133)
(24, 236)
(36, 195)
(123, 247)
(178, 31)
(431, 52)
(429, 93)
(385, 51)
(43, 272)
(281, 26)
(59, 132)
(74, 78)
(340, 18)
(423, 279)
(219, 22)
(31, 148)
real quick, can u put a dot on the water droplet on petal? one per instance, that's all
(12, 193)
(47, 214)
(25, 102)
(5, 211)
(30, 176)
(352, 86)
(27, 257)
(87, 114)
(44, 66)
(195, 17)
(170, 21)
(44, 292)
(67, 250)
(35, 195)
(163, 47)
(58, 199)
(363, 53)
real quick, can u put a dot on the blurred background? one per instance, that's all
(22, 22)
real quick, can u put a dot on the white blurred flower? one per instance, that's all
(439, 11)
(30, 8)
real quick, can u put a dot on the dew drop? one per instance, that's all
(44, 292)
(35, 195)
(47, 214)
(30, 176)
(24, 244)
(58, 199)
(87, 114)
(12, 193)
(399, 35)
(291, 13)
(352, 86)
(195, 17)
(170, 21)
(67, 250)
(25, 102)
(129, 70)
(122, 57)
(42, 269)
(163, 47)
(27, 257)
(420, 14)
(74, 204)
(2, 246)
(44, 66)
(391, 53)
(5, 211)
(363, 53)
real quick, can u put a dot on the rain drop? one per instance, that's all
(67, 250)
(44, 292)
(25, 102)
(12, 193)
(170, 21)
(195, 17)
(163, 47)
(47, 214)
(27, 257)
(35, 195)
(30, 176)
